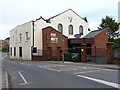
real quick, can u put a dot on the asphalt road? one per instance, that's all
(36, 74)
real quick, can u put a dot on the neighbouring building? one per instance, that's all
(96, 38)
(4, 45)
(29, 36)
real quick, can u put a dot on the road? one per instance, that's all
(36, 74)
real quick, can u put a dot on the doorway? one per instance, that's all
(20, 51)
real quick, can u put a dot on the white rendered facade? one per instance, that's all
(64, 19)
(18, 39)
(69, 17)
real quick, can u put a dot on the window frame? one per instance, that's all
(34, 50)
(26, 36)
(60, 28)
(70, 29)
(81, 30)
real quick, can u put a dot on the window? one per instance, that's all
(54, 40)
(46, 38)
(11, 51)
(81, 30)
(16, 36)
(70, 29)
(20, 37)
(60, 28)
(26, 35)
(35, 50)
(14, 51)
(62, 40)
(53, 34)
(13, 39)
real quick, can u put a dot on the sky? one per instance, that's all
(16, 12)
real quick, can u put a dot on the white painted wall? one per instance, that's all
(26, 45)
(64, 20)
(39, 24)
(76, 22)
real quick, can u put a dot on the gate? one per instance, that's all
(96, 55)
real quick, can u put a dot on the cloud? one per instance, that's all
(15, 12)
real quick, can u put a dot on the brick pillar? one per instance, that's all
(109, 52)
(83, 53)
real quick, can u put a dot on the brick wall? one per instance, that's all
(53, 50)
(100, 41)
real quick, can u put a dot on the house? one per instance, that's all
(96, 38)
(4, 45)
(54, 45)
(24, 38)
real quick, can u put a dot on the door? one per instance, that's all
(20, 51)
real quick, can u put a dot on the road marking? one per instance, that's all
(29, 64)
(12, 62)
(3, 57)
(25, 81)
(115, 85)
(84, 67)
(49, 68)
(87, 71)
(88, 67)
(22, 63)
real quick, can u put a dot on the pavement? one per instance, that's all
(104, 66)
(5, 81)
(3, 74)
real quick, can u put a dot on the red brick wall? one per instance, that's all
(100, 43)
(53, 50)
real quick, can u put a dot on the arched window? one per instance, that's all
(70, 29)
(60, 28)
(81, 29)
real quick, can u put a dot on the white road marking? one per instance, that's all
(25, 81)
(29, 64)
(87, 71)
(84, 67)
(12, 62)
(4, 57)
(22, 63)
(49, 68)
(115, 85)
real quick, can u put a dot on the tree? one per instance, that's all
(111, 25)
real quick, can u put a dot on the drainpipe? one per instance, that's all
(33, 40)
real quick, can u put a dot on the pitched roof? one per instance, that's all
(62, 13)
(93, 33)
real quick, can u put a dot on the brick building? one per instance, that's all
(95, 42)
(54, 45)
(28, 37)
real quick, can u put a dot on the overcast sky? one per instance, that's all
(16, 12)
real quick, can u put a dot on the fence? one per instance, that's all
(100, 55)
(116, 55)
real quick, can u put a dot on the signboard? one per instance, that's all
(77, 35)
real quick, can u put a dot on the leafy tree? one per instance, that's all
(111, 25)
